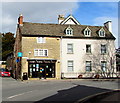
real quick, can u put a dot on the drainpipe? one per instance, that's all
(61, 56)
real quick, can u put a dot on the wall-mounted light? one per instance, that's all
(29, 52)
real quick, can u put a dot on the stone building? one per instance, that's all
(64, 50)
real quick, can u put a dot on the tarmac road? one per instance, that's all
(40, 91)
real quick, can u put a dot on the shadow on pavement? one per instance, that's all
(107, 97)
(72, 95)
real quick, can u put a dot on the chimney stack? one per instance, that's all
(20, 20)
(60, 18)
(108, 25)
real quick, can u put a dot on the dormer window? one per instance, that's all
(101, 32)
(69, 31)
(87, 32)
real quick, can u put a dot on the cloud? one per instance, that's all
(39, 12)
(102, 20)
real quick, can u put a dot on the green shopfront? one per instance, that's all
(38, 68)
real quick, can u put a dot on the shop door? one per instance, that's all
(48, 70)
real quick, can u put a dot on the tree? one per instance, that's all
(0, 47)
(7, 44)
(103, 64)
(118, 59)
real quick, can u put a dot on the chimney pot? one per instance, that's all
(20, 20)
(60, 18)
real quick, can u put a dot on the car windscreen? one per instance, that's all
(4, 70)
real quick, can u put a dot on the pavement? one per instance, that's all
(105, 97)
(50, 91)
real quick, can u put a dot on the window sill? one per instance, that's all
(70, 53)
(40, 43)
(103, 53)
(89, 53)
(88, 71)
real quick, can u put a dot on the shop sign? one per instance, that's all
(42, 61)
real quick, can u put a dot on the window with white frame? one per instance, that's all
(69, 31)
(87, 32)
(88, 48)
(103, 66)
(40, 39)
(40, 52)
(101, 32)
(70, 65)
(69, 48)
(103, 49)
(88, 66)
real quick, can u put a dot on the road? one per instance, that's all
(39, 91)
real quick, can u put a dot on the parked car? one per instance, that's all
(4, 72)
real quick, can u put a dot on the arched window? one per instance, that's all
(87, 32)
(69, 31)
(101, 32)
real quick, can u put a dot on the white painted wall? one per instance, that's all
(80, 57)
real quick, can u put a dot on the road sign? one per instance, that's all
(17, 60)
(20, 54)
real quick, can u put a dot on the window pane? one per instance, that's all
(87, 68)
(70, 65)
(40, 52)
(103, 66)
(88, 48)
(36, 52)
(41, 40)
(70, 48)
(87, 32)
(103, 48)
(101, 33)
(69, 32)
(70, 69)
(88, 65)
(45, 52)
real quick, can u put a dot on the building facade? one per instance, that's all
(64, 50)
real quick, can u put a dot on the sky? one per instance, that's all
(87, 13)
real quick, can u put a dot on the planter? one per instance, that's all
(80, 76)
(97, 76)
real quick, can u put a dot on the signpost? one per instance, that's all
(19, 55)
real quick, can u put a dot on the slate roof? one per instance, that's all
(58, 30)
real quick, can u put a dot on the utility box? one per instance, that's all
(25, 76)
